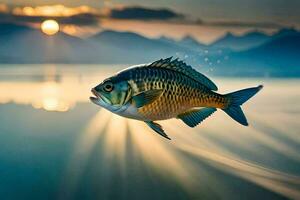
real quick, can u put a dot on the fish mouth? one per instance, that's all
(96, 96)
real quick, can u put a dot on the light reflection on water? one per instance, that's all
(48, 87)
(251, 153)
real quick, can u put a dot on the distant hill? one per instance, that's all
(9, 28)
(21, 44)
(187, 42)
(191, 42)
(285, 32)
(249, 40)
(243, 42)
(130, 47)
(276, 55)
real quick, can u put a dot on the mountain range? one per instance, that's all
(251, 54)
(277, 58)
(242, 42)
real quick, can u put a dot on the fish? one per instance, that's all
(164, 89)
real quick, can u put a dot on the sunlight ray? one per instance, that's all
(262, 176)
(192, 136)
(228, 132)
(285, 124)
(86, 142)
(160, 154)
(115, 140)
(274, 180)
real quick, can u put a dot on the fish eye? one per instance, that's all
(108, 87)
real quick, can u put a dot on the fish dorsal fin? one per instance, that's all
(194, 117)
(180, 66)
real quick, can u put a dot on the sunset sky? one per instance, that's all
(204, 19)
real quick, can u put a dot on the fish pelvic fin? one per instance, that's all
(157, 128)
(237, 98)
(194, 117)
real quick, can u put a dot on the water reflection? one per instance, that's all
(47, 87)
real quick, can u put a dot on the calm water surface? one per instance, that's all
(55, 144)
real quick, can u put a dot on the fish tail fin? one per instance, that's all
(237, 98)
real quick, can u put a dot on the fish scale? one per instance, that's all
(180, 92)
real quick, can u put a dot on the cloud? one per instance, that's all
(170, 16)
(82, 15)
(141, 13)
(53, 11)
(88, 16)
(80, 19)
(3, 8)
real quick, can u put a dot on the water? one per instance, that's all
(56, 144)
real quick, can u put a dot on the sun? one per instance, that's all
(50, 27)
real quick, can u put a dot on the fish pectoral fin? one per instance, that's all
(146, 97)
(157, 128)
(195, 116)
